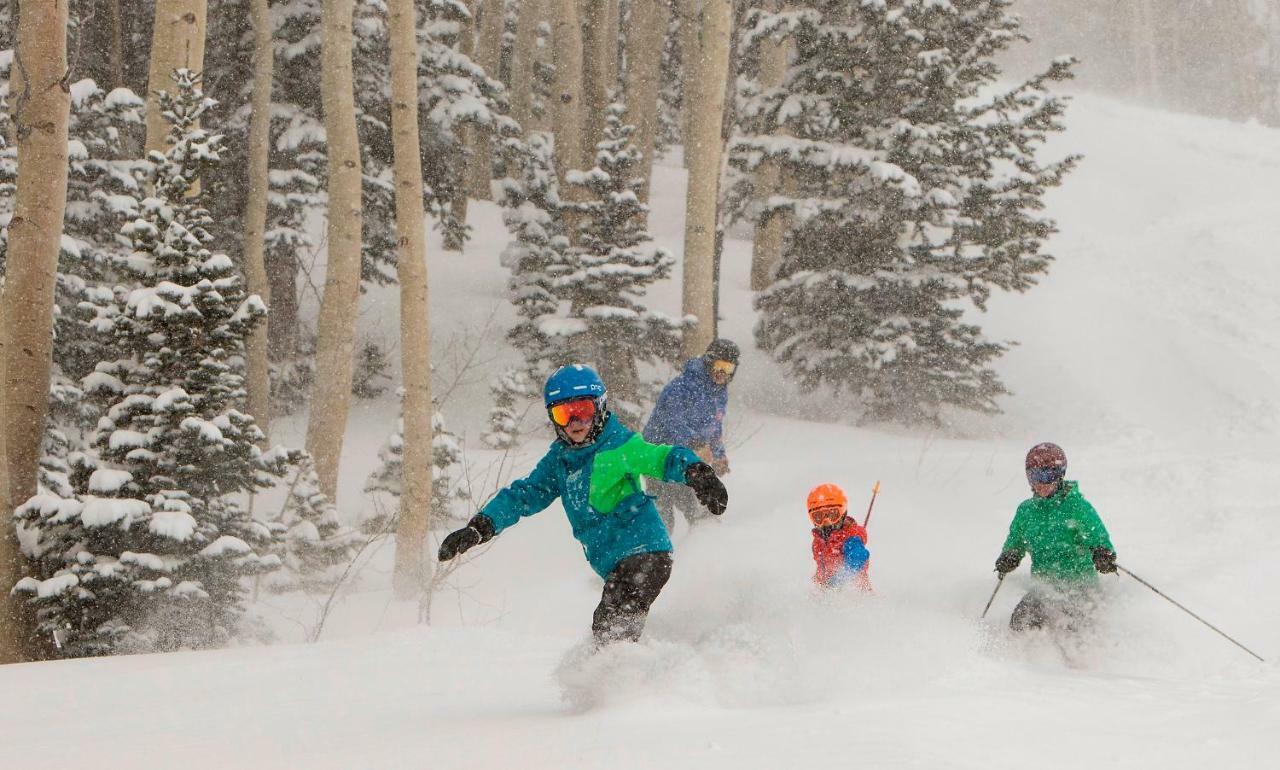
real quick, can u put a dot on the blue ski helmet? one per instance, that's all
(572, 382)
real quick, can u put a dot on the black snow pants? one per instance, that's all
(1054, 609)
(629, 591)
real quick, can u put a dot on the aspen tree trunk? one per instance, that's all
(568, 87)
(646, 34)
(1148, 70)
(595, 96)
(255, 215)
(117, 44)
(766, 248)
(690, 18)
(489, 56)
(415, 336)
(524, 61)
(703, 150)
(612, 32)
(335, 344)
(41, 107)
(458, 206)
(177, 40)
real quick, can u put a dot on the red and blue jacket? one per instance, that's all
(841, 554)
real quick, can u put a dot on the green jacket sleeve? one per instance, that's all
(526, 496)
(1016, 541)
(1093, 532)
(659, 461)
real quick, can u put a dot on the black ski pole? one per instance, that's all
(1189, 612)
(999, 582)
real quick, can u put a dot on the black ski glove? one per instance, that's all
(710, 490)
(1008, 562)
(478, 530)
(1104, 559)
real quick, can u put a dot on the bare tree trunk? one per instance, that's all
(415, 333)
(568, 87)
(41, 105)
(1148, 67)
(117, 44)
(255, 215)
(690, 14)
(595, 96)
(335, 345)
(612, 31)
(766, 248)
(524, 61)
(646, 34)
(489, 55)
(458, 206)
(282, 333)
(702, 153)
(177, 40)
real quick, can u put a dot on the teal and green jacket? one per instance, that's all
(1060, 532)
(600, 488)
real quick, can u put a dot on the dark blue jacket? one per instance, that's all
(690, 411)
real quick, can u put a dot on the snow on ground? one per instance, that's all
(1150, 354)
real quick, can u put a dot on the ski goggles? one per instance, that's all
(727, 368)
(566, 411)
(1050, 475)
(826, 516)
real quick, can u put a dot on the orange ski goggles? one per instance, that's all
(826, 516)
(727, 368)
(566, 411)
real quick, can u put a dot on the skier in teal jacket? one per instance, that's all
(594, 466)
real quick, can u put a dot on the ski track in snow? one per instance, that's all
(1150, 353)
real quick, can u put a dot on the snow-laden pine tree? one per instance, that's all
(150, 551)
(538, 255)
(918, 192)
(610, 268)
(513, 395)
(311, 542)
(450, 492)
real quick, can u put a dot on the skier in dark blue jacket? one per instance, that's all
(690, 412)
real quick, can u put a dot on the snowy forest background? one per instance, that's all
(942, 231)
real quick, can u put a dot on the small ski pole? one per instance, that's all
(1161, 594)
(874, 491)
(999, 582)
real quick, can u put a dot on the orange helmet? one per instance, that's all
(827, 505)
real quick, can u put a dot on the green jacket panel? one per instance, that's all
(1060, 532)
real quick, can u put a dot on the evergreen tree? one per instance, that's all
(610, 269)
(150, 550)
(918, 192)
(313, 546)
(537, 257)
(449, 491)
(510, 391)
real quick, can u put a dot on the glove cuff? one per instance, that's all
(484, 526)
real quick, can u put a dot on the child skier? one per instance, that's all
(1067, 541)
(594, 466)
(839, 542)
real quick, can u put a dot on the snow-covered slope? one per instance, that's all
(1150, 353)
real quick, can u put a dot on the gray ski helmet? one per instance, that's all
(722, 349)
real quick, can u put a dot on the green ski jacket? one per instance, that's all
(1060, 532)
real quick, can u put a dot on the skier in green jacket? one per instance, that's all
(1068, 543)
